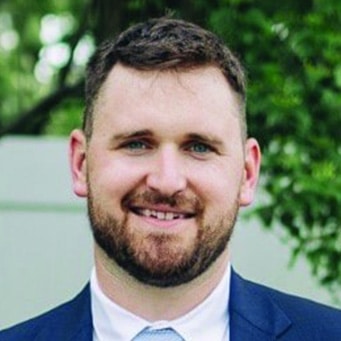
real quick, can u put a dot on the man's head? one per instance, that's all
(163, 44)
(164, 161)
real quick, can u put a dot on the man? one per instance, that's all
(165, 163)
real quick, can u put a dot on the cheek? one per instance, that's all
(113, 179)
(217, 184)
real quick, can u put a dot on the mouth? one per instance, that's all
(161, 214)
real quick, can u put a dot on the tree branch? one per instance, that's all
(33, 120)
(73, 40)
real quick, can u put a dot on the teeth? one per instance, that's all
(161, 215)
(169, 216)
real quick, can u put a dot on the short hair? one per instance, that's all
(162, 44)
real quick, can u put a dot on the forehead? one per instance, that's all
(200, 97)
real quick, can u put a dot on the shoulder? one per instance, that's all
(304, 316)
(66, 320)
(298, 307)
(308, 316)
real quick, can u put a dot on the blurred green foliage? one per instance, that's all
(291, 51)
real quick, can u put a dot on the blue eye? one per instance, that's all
(200, 148)
(135, 145)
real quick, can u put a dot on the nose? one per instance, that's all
(166, 173)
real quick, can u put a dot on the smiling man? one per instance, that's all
(165, 163)
(165, 170)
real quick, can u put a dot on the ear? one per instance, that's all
(251, 172)
(77, 159)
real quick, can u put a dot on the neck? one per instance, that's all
(152, 303)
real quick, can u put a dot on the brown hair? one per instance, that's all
(162, 44)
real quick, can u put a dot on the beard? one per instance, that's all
(158, 258)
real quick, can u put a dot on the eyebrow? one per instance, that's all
(130, 135)
(205, 138)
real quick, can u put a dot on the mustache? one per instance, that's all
(178, 200)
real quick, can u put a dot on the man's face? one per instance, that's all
(165, 171)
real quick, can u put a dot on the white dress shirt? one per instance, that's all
(208, 321)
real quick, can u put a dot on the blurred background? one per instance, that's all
(291, 51)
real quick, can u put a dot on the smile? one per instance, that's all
(161, 215)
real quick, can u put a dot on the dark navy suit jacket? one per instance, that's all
(257, 313)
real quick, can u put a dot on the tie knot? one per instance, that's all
(164, 334)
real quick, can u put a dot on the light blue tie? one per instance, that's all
(164, 334)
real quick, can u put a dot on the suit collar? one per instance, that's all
(73, 322)
(80, 325)
(254, 315)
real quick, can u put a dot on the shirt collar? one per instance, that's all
(112, 322)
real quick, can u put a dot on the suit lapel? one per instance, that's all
(254, 316)
(74, 323)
